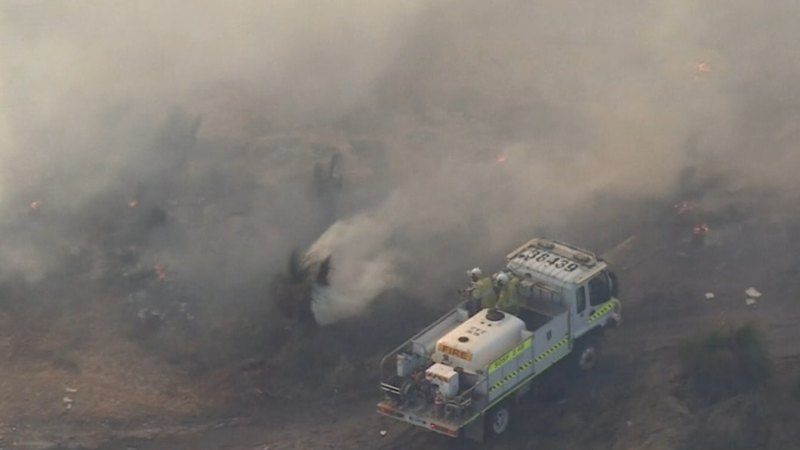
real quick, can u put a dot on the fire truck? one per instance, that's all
(462, 375)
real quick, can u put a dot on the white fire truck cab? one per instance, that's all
(460, 375)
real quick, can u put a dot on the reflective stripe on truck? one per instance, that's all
(511, 355)
(563, 341)
(603, 310)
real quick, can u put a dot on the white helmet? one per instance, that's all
(476, 272)
(502, 278)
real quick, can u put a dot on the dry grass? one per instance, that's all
(88, 351)
(725, 361)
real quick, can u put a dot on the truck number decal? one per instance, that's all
(553, 260)
(513, 353)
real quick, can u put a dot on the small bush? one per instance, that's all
(726, 361)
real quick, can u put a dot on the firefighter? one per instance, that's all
(508, 300)
(481, 291)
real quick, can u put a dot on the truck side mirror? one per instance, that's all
(612, 280)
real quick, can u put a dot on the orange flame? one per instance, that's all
(161, 275)
(701, 68)
(700, 229)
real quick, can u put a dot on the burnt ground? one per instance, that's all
(128, 397)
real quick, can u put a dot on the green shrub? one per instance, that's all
(725, 361)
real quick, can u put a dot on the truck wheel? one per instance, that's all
(498, 420)
(587, 356)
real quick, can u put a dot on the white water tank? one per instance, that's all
(479, 340)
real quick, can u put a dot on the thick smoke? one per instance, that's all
(214, 112)
(527, 113)
(465, 128)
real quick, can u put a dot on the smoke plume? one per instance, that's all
(464, 128)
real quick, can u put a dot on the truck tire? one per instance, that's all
(498, 420)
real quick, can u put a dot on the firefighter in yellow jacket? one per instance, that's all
(482, 290)
(508, 300)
